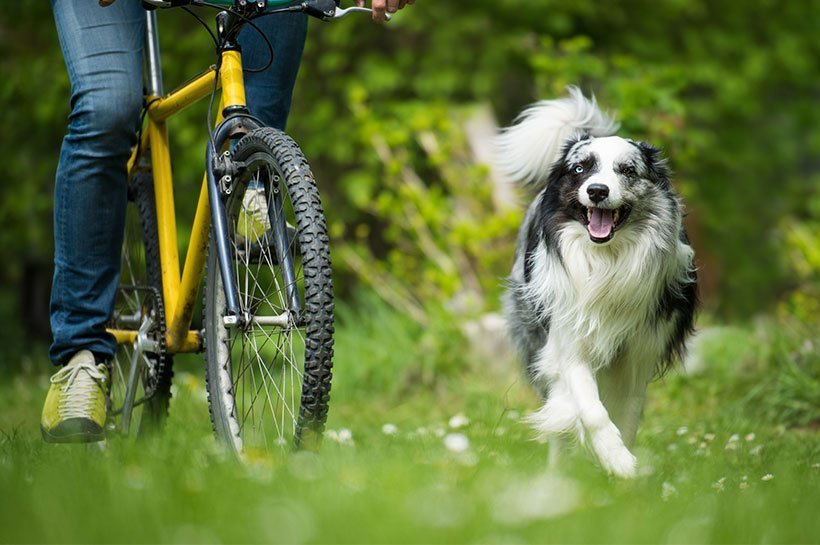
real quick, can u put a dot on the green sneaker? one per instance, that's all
(77, 402)
(253, 220)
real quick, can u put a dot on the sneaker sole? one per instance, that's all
(79, 430)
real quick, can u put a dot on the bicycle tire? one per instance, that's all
(238, 367)
(140, 299)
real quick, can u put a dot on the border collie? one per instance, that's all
(602, 292)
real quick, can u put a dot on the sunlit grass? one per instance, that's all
(447, 464)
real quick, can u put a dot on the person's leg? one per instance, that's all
(269, 92)
(102, 48)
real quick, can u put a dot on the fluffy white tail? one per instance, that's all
(527, 150)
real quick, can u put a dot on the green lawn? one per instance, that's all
(723, 460)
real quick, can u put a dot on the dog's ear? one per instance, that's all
(656, 165)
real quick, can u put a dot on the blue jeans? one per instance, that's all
(102, 48)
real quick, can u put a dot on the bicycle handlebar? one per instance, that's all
(326, 10)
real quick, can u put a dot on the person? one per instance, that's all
(102, 45)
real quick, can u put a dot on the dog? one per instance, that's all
(603, 288)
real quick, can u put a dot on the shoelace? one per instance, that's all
(78, 393)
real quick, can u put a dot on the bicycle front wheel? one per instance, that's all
(269, 376)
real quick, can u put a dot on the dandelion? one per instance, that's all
(767, 477)
(390, 429)
(456, 442)
(458, 421)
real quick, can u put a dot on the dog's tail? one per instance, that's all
(526, 151)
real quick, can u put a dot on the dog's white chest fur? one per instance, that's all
(599, 298)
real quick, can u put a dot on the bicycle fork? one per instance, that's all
(220, 172)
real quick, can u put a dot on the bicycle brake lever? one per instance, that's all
(344, 12)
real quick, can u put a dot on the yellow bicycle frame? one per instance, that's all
(180, 287)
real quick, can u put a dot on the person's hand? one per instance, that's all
(380, 7)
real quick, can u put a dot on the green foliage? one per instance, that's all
(729, 91)
(430, 237)
(790, 395)
(392, 354)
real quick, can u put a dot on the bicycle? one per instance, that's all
(260, 235)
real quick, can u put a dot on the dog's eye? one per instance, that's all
(629, 171)
(579, 169)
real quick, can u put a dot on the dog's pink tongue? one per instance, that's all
(601, 223)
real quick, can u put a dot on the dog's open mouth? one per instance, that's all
(601, 223)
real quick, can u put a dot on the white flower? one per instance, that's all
(709, 436)
(719, 484)
(767, 477)
(668, 491)
(345, 436)
(456, 442)
(683, 430)
(458, 421)
(756, 450)
(750, 437)
(390, 429)
(734, 438)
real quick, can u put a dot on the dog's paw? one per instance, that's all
(612, 453)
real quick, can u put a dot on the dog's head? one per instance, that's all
(607, 184)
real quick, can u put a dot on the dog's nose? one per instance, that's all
(597, 192)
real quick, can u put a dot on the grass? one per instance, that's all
(719, 462)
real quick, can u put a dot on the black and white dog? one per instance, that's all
(603, 289)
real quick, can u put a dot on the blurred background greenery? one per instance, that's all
(393, 120)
